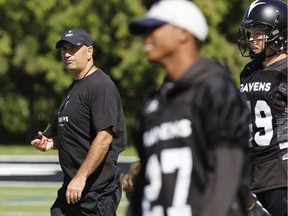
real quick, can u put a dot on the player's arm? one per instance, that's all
(228, 129)
(96, 154)
(224, 183)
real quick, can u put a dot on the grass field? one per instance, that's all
(35, 199)
(30, 150)
(24, 200)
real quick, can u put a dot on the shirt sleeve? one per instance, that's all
(106, 111)
(226, 114)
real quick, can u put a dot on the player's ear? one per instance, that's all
(183, 35)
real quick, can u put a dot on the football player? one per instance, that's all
(191, 133)
(263, 38)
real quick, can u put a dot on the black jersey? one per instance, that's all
(92, 104)
(177, 132)
(266, 93)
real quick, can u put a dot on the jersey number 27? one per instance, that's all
(178, 161)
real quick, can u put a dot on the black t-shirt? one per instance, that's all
(91, 105)
(177, 133)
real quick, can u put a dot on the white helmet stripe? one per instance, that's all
(253, 5)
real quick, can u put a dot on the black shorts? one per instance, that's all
(269, 175)
(93, 203)
(275, 201)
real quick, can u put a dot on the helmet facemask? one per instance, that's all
(243, 42)
(274, 42)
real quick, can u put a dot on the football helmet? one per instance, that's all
(269, 16)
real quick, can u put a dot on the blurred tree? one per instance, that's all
(33, 79)
(223, 18)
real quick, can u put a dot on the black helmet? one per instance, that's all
(267, 15)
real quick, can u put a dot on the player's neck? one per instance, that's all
(178, 65)
(271, 60)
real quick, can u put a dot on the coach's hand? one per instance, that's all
(42, 143)
(74, 189)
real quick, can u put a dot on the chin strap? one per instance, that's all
(259, 56)
(262, 55)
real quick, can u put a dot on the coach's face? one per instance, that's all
(161, 43)
(75, 58)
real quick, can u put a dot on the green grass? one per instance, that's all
(26, 199)
(34, 200)
(23, 150)
(30, 150)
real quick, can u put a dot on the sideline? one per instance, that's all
(37, 169)
(52, 158)
(29, 184)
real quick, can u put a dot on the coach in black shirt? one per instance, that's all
(90, 134)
